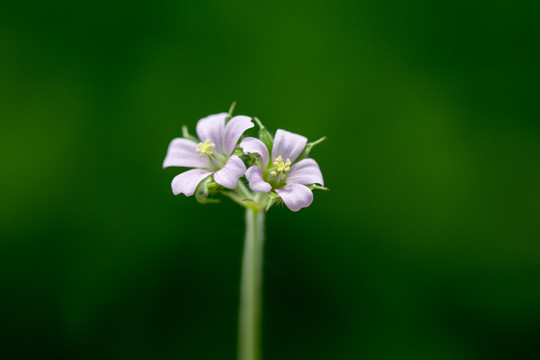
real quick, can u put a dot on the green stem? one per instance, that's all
(249, 336)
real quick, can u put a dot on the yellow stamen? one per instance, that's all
(205, 148)
(281, 166)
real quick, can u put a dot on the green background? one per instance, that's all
(427, 245)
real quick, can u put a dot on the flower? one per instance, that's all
(280, 172)
(210, 156)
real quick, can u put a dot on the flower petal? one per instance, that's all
(250, 145)
(305, 172)
(181, 152)
(295, 196)
(288, 145)
(256, 182)
(213, 128)
(187, 182)
(233, 170)
(233, 130)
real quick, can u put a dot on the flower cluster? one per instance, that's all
(275, 168)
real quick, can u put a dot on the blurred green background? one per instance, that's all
(426, 247)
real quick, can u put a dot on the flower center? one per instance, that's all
(281, 166)
(205, 148)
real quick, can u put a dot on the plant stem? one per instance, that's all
(249, 333)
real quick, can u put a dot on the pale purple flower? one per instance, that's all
(210, 156)
(280, 172)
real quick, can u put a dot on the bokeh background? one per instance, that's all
(426, 247)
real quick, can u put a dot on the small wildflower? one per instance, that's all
(211, 156)
(287, 178)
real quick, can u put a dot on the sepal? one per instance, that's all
(317, 187)
(309, 147)
(187, 135)
(264, 135)
(273, 199)
(204, 189)
(231, 110)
